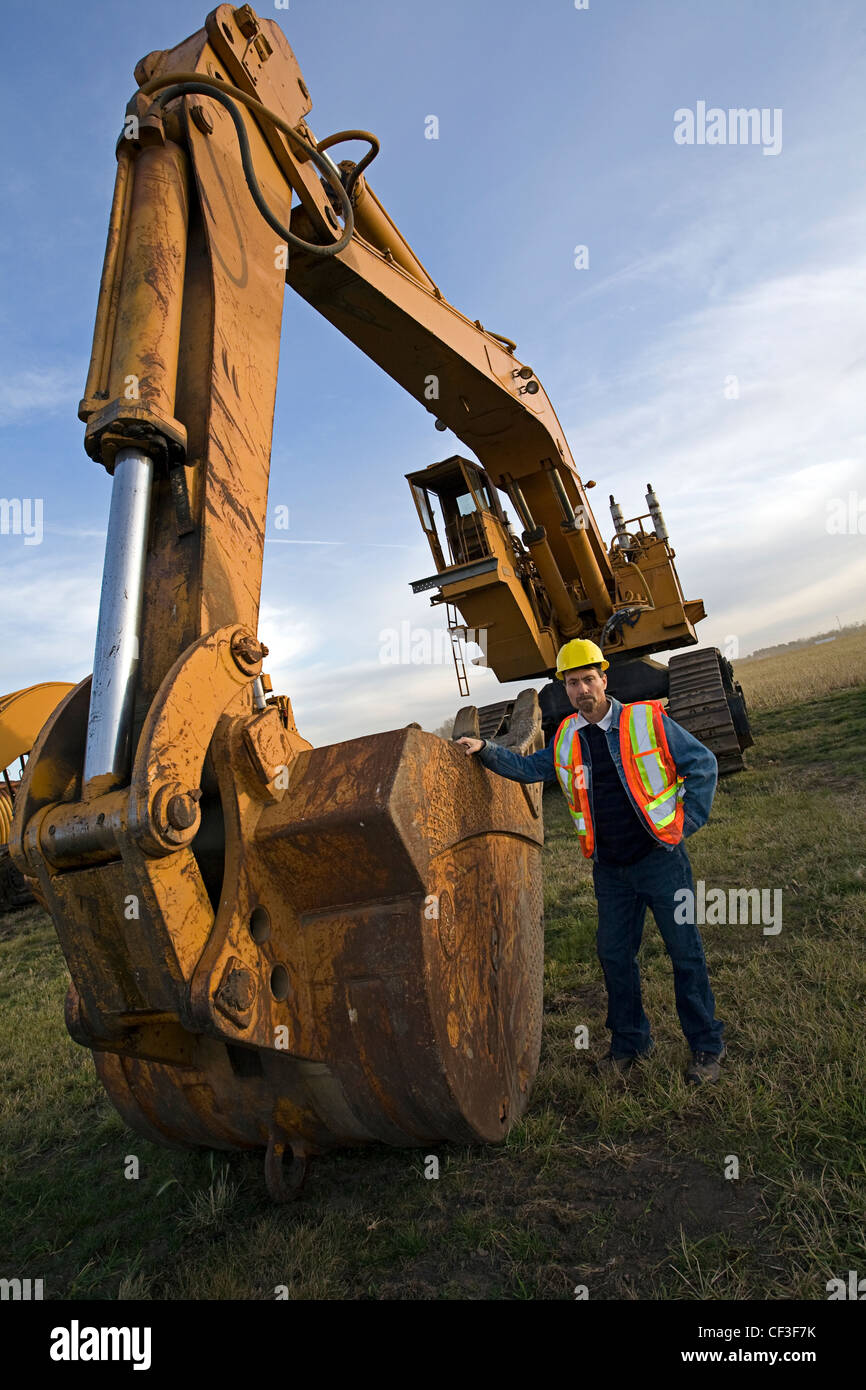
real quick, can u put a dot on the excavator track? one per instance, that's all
(704, 697)
(14, 888)
(495, 720)
(515, 724)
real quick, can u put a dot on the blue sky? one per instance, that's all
(556, 126)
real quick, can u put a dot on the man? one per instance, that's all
(636, 784)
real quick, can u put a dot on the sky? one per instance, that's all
(710, 339)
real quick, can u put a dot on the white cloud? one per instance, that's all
(37, 389)
(48, 628)
(745, 483)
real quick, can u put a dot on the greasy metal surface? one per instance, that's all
(142, 334)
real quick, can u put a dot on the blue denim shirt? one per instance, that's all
(694, 762)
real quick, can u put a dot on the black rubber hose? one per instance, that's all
(339, 137)
(619, 619)
(223, 93)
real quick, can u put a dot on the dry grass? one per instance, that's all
(805, 674)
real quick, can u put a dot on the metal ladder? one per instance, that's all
(456, 630)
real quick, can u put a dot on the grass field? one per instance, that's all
(785, 678)
(615, 1184)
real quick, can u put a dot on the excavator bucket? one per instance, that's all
(356, 956)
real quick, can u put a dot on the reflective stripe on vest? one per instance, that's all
(568, 761)
(649, 769)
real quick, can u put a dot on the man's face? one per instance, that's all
(585, 688)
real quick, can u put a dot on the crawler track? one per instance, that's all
(704, 697)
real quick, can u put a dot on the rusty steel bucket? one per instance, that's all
(354, 956)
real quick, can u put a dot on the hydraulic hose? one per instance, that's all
(193, 84)
(338, 138)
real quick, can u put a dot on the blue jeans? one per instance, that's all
(624, 892)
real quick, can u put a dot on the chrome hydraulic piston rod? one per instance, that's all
(115, 660)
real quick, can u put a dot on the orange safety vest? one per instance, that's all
(650, 771)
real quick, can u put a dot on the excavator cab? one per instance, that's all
(483, 569)
(469, 505)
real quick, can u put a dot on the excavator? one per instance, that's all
(526, 597)
(22, 715)
(272, 946)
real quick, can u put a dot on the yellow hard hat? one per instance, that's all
(578, 653)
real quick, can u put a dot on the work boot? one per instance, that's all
(705, 1066)
(611, 1064)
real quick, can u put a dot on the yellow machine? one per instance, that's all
(528, 596)
(272, 945)
(22, 715)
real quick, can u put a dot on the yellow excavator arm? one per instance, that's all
(271, 945)
(220, 147)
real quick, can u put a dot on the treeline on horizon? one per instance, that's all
(847, 631)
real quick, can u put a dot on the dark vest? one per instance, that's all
(620, 836)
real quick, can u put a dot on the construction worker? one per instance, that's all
(636, 784)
